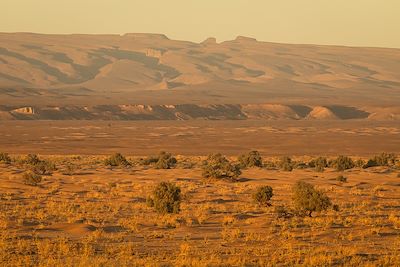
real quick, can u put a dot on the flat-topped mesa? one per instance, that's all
(209, 41)
(147, 35)
(245, 39)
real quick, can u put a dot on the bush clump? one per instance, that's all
(252, 159)
(283, 212)
(116, 160)
(43, 168)
(164, 160)
(166, 198)
(38, 166)
(383, 159)
(319, 164)
(341, 178)
(307, 199)
(360, 163)
(217, 166)
(31, 178)
(5, 158)
(342, 163)
(263, 195)
(286, 164)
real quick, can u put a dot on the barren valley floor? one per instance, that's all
(351, 137)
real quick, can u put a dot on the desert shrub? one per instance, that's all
(166, 198)
(342, 163)
(252, 159)
(31, 178)
(5, 158)
(300, 165)
(263, 195)
(341, 178)
(286, 164)
(39, 166)
(165, 161)
(269, 165)
(319, 164)
(116, 160)
(70, 169)
(43, 167)
(307, 199)
(283, 212)
(382, 159)
(32, 159)
(359, 163)
(336, 207)
(217, 166)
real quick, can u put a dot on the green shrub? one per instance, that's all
(43, 167)
(341, 178)
(116, 160)
(70, 169)
(286, 164)
(5, 158)
(217, 166)
(32, 159)
(166, 198)
(360, 163)
(319, 164)
(383, 159)
(31, 178)
(307, 199)
(38, 166)
(342, 163)
(263, 195)
(165, 161)
(252, 159)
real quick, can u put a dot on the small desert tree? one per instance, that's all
(252, 159)
(342, 163)
(286, 164)
(307, 199)
(166, 198)
(319, 164)
(217, 166)
(383, 159)
(263, 195)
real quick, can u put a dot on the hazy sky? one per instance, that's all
(346, 22)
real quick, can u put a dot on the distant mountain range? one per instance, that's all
(62, 74)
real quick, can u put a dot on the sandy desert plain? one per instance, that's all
(84, 212)
(322, 115)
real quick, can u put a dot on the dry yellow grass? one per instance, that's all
(98, 217)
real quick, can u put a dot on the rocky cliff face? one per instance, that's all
(197, 112)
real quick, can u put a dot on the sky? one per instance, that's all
(339, 22)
